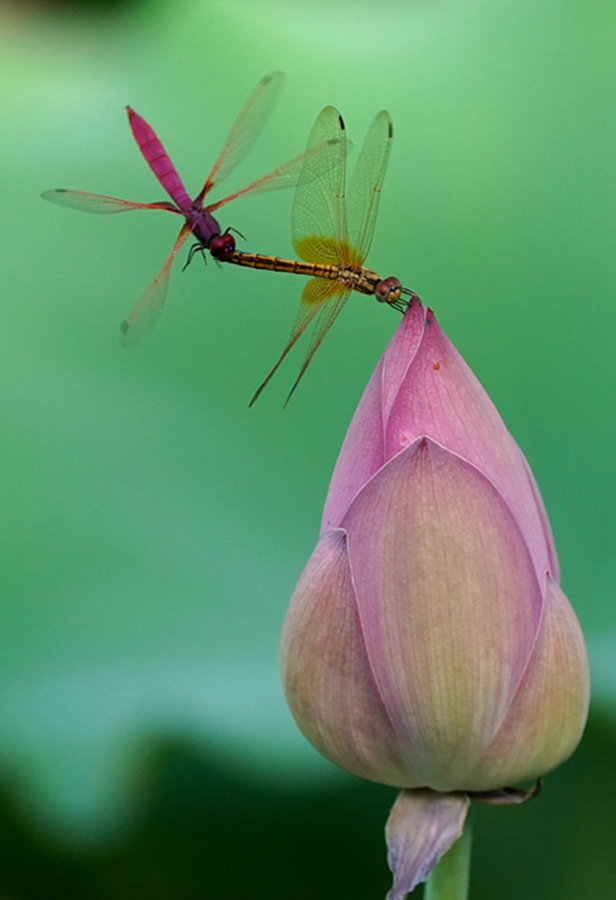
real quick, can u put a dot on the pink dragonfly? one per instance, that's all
(199, 219)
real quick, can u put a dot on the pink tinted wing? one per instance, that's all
(99, 203)
(246, 129)
(144, 314)
(329, 312)
(158, 160)
(320, 158)
(365, 188)
(317, 292)
(318, 217)
(285, 176)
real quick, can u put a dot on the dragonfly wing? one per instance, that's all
(328, 314)
(319, 214)
(98, 203)
(158, 159)
(288, 175)
(315, 296)
(246, 129)
(365, 188)
(144, 314)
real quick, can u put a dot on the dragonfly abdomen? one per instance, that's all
(357, 278)
(277, 264)
(157, 159)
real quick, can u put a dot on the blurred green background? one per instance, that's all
(153, 527)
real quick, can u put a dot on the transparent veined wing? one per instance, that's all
(328, 312)
(144, 314)
(246, 129)
(364, 192)
(316, 294)
(312, 164)
(318, 217)
(99, 203)
(285, 176)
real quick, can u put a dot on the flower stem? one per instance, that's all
(449, 879)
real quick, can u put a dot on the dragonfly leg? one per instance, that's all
(197, 247)
(402, 303)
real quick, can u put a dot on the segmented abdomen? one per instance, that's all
(158, 159)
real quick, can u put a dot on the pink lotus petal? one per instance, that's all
(363, 450)
(422, 826)
(449, 607)
(422, 387)
(442, 398)
(328, 683)
(546, 718)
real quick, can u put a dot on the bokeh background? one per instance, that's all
(153, 526)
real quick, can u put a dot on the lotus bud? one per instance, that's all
(428, 644)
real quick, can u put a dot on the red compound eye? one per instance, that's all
(222, 246)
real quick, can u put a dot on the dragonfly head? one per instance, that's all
(388, 290)
(222, 246)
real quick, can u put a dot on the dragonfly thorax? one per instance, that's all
(366, 281)
(203, 224)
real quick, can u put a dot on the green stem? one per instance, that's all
(449, 879)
